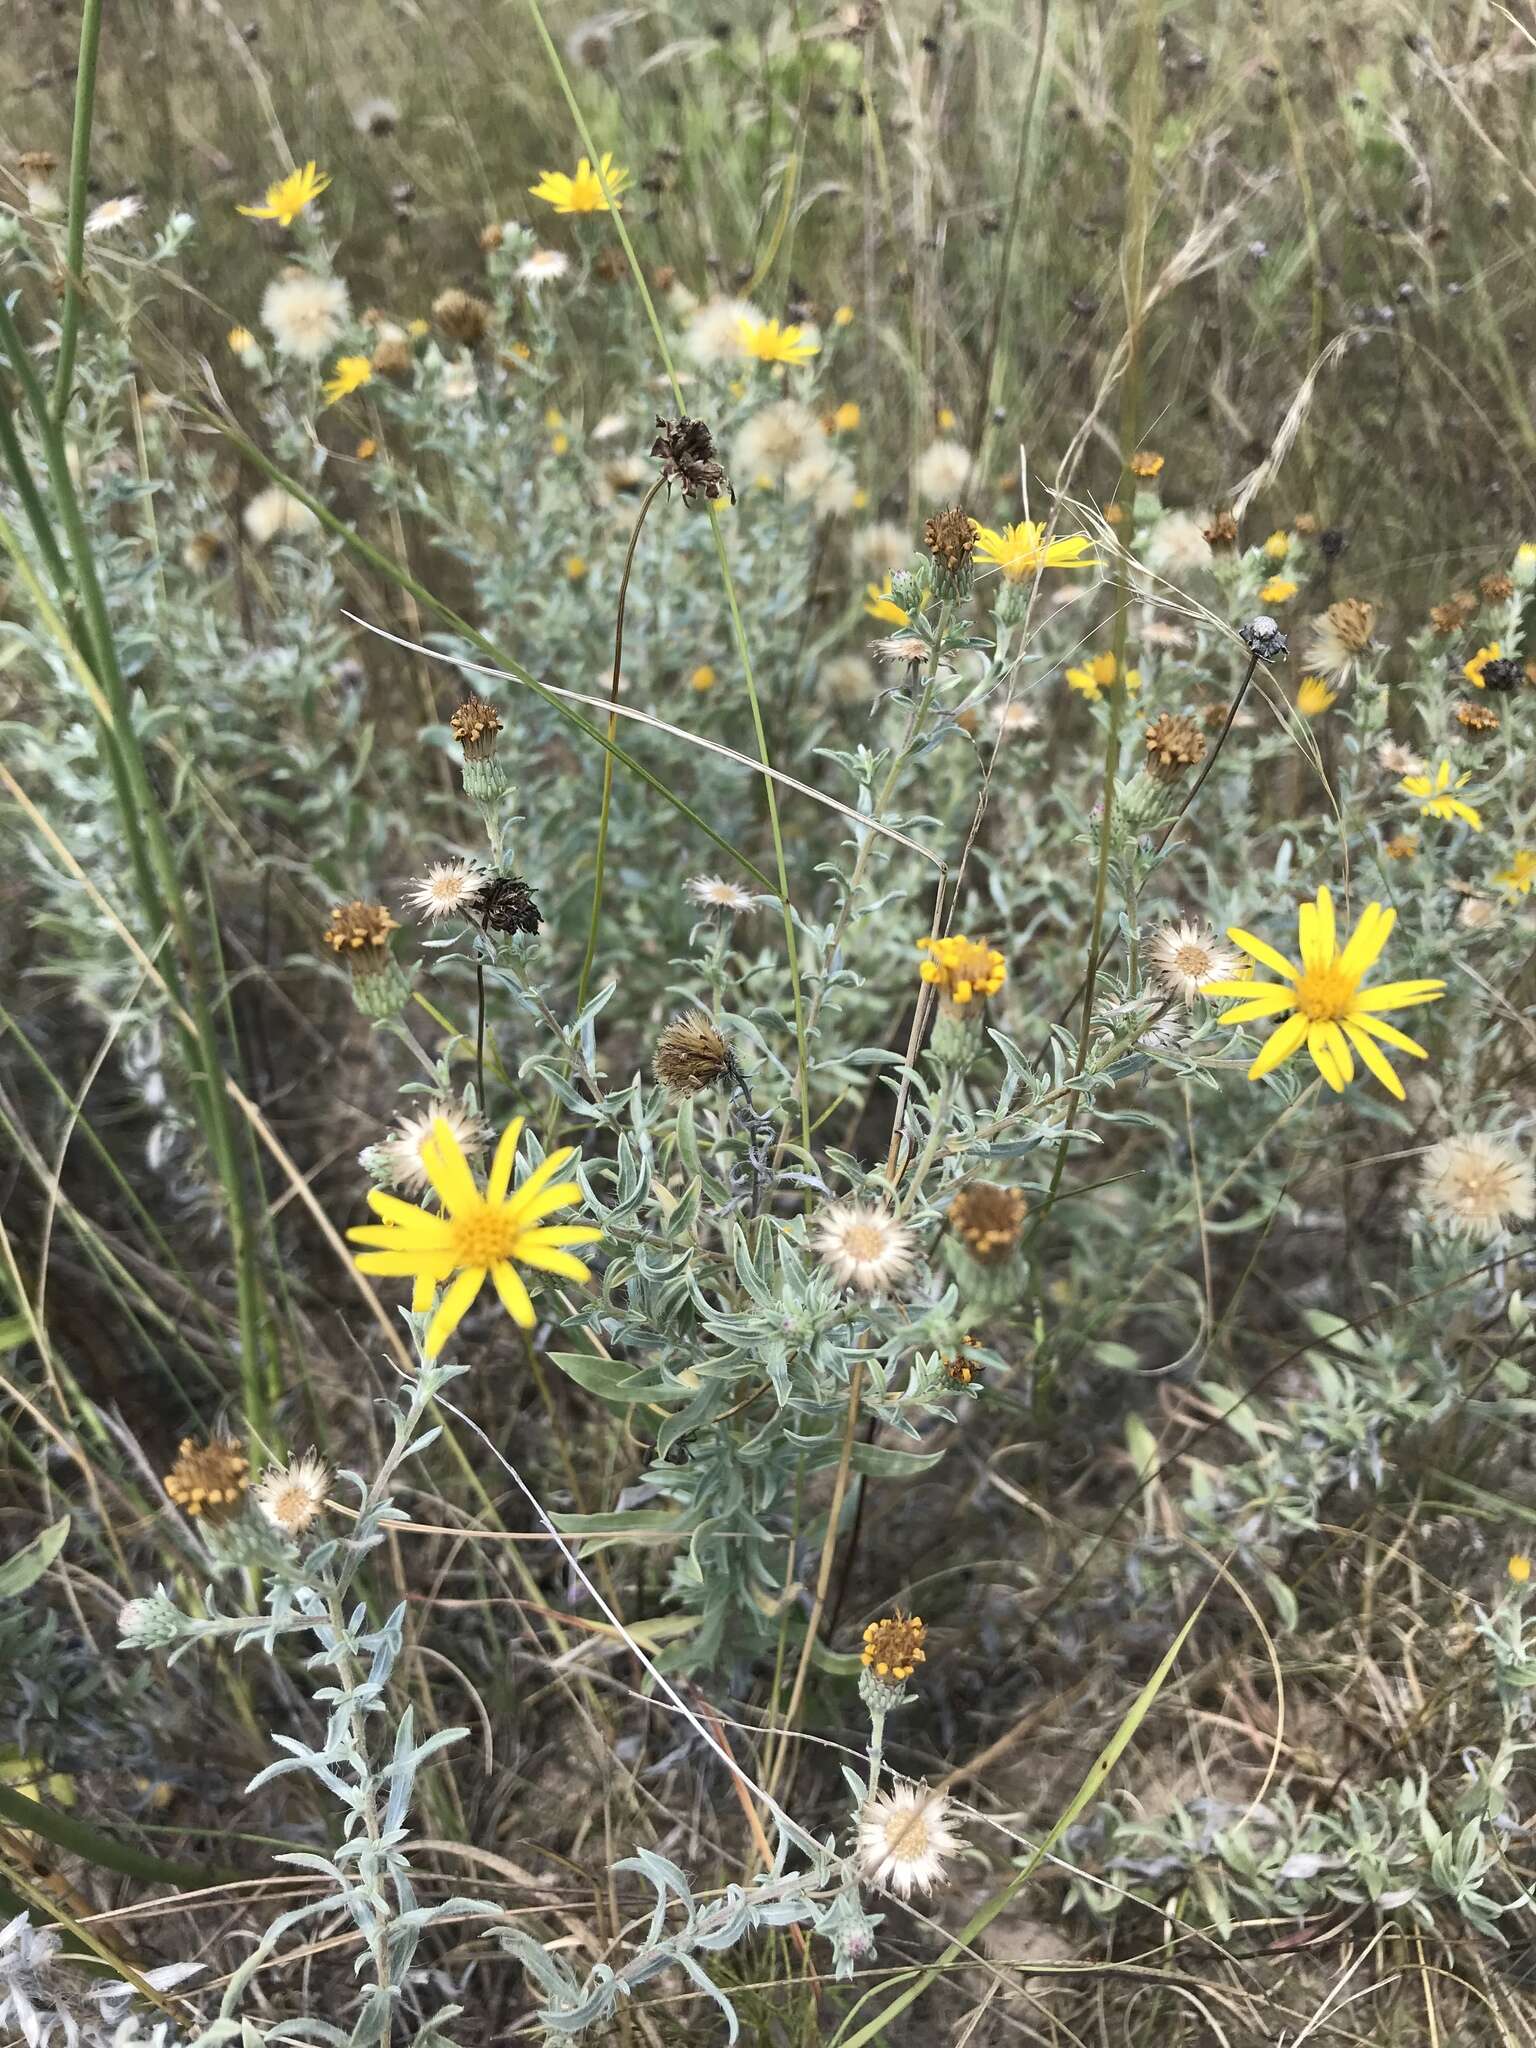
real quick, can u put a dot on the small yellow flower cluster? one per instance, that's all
(893, 1648)
(1098, 675)
(962, 968)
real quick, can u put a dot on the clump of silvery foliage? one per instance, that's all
(53, 2004)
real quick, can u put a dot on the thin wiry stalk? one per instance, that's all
(79, 179)
(613, 727)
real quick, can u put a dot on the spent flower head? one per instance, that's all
(904, 1836)
(864, 1246)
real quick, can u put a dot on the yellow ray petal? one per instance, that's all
(1331, 1055)
(1367, 940)
(1261, 951)
(515, 1298)
(1390, 1035)
(1266, 1003)
(562, 1233)
(1397, 995)
(405, 1265)
(501, 1166)
(395, 1211)
(548, 1261)
(1374, 1058)
(546, 1202)
(1240, 991)
(1280, 1044)
(421, 1294)
(453, 1308)
(448, 1170)
(541, 1176)
(390, 1238)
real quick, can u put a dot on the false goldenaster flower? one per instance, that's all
(863, 1246)
(1313, 697)
(1519, 876)
(1437, 796)
(588, 191)
(962, 969)
(1184, 956)
(768, 342)
(287, 199)
(1019, 551)
(1330, 1009)
(1097, 675)
(480, 1236)
(450, 888)
(1476, 1185)
(904, 1836)
(543, 266)
(351, 374)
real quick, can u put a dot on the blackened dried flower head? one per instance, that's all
(691, 1054)
(208, 1479)
(1502, 675)
(950, 539)
(685, 449)
(1261, 636)
(1332, 542)
(1221, 534)
(1174, 743)
(988, 1220)
(507, 905)
(461, 316)
(475, 725)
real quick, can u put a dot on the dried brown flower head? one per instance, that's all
(1403, 846)
(1146, 462)
(208, 1479)
(475, 725)
(1478, 719)
(1221, 534)
(392, 356)
(1496, 588)
(988, 1220)
(461, 316)
(950, 538)
(492, 235)
(1446, 619)
(611, 265)
(1114, 513)
(893, 1648)
(1174, 743)
(690, 1055)
(1212, 716)
(360, 931)
(959, 1367)
(1305, 524)
(204, 552)
(39, 162)
(685, 449)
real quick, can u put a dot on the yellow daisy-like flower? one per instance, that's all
(1146, 462)
(1097, 675)
(846, 418)
(240, 339)
(1019, 551)
(1520, 874)
(287, 199)
(1278, 590)
(962, 968)
(588, 191)
(1278, 546)
(479, 1236)
(880, 604)
(1519, 1568)
(1473, 669)
(771, 343)
(843, 317)
(1330, 1011)
(351, 374)
(703, 678)
(1437, 799)
(1313, 697)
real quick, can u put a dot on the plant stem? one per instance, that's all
(79, 178)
